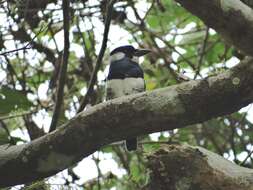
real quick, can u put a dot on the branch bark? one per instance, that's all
(179, 167)
(163, 109)
(231, 18)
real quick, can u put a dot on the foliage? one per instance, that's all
(181, 45)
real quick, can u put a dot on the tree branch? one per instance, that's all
(231, 18)
(27, 46)
(163, 109)
(64, 66)
(175, 167)
(202, 53)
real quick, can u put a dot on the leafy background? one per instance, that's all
(183, 48)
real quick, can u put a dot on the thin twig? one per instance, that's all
(93, 79)
(232, 140)
(85, 49)
(97, 160)
(64, 66)
(17, 115)
(3, 125)
(52, 34)
(244, 161)
(154, 34)
(165, 58)
(202, 53)
(27, 46)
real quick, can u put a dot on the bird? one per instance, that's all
(125, 77)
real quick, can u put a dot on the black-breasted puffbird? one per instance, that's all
(125, 77)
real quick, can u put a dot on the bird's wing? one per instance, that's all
(135, 72)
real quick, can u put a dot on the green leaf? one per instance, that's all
(12, 100)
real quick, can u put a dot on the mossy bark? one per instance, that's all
(184, 167)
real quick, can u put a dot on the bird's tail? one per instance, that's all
(131, 144)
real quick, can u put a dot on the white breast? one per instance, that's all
(121, 87)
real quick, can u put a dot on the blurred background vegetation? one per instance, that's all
(183, 48)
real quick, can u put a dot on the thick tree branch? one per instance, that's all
(178, 167)
(163, 109)
(231, 18)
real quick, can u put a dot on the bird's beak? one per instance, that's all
(141, 52)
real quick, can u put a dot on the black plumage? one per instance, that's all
(124, 68)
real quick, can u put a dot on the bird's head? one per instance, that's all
(127, 51)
